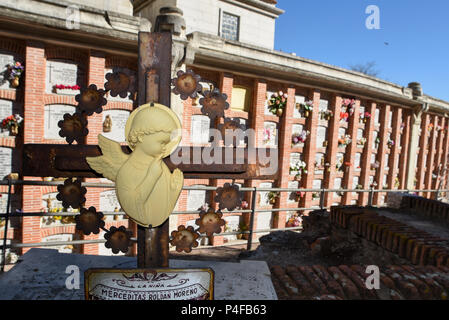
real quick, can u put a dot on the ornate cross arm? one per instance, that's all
(55, 160)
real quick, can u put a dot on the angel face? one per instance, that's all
(154, 144)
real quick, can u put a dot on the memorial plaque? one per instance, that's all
(359, 134)
(264, 220)
(316, 184)
(375, 133)
(65, 248)
(297, 128)
(341, 132)
(3, 202)
(358, 157)
(149, 284)
(108, 201)
(200, 129)
(362, 110)
(6, 161)
(267, 103)
(232, 224)
(390, 118)
(385, 180)
(53, 113)
(291, 185)
(118, 119)
(373, 158)
(298, 99)
(294, 158)
(340, 156)
(387, 156)
(270, 134)
(355, 182)
(376, 117)
(6, 110)
(5, 60)
(323, 105)
(60, 72)
(371, 180)
(195, 199)
(263, 195)
(320, 136)
(337, 184)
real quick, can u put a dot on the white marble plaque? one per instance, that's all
(357, 159)
(320, 136)
(263, 221)
(355, 182)
(267, 103)
(294, 158)
(5, 60)
(53, 113)
(3, 202)
(337, 184)
(386, 161)
(385, 180)
(291, 185)
(362, 110)
(374, 139)
(263, 195)
(341, 132)
(60, 237)
(340, 156)
(6, 110)
(200, 129)
(270, 134)
(232, 223)
(195, 199)
(371, 180)
(373, 158)
(376, 116)
(244, 125)
(323, 105)
(118, 119)
(390, 118)
(298, 99)
(359, 134)
(319, 160)
(5, 161)
(60, 72)
(109, 201)
(316, 184)
(297, 128)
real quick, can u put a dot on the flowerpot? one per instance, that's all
(279, 112)
(15, 82)
(67, 91)
(14, 130)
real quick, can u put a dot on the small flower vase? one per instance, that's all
(272, 200)
(15, 82)
(279, 112)
(364, 120)
(14, 130)
(116, 217)
(306, 113)
(325, 144)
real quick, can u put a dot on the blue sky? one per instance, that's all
(334, 32)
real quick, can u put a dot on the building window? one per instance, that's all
(230, 26)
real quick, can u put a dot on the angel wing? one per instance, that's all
(112, 159)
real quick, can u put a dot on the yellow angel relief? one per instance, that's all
(145, 187)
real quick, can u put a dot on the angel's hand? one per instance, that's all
(155, 169)
(177, 179)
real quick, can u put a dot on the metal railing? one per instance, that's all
(250, 232)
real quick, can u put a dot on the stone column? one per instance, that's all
(413, 145)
